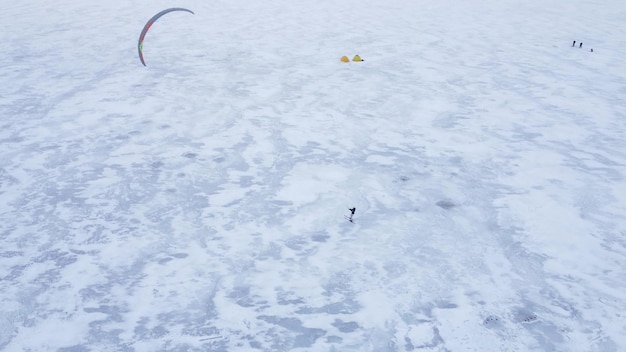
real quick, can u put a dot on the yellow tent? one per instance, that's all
(345, 59)
(357, 58)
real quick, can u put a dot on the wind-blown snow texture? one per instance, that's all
(198, 204)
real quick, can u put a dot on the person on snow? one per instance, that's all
(352, 210)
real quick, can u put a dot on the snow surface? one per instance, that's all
(197, 204)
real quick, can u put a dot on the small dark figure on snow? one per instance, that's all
(574, 43)
(591, 50)
(581, 45)
(352, 210)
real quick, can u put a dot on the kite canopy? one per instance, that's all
(149, 24)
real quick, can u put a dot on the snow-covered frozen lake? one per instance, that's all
(199, 203)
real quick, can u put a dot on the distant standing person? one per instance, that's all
(581, 45)
(352, 210)
(574, 43)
